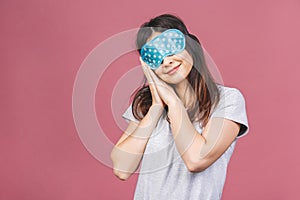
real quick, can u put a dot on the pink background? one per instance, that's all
(255, 44)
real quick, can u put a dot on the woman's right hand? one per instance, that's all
(128, 152)
(156, 100)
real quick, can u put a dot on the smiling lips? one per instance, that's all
(172, 71)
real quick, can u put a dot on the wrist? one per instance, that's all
(156, 110)
(175, 103)
(175, 109)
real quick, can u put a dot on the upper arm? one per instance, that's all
(227, 122)
(219, 134)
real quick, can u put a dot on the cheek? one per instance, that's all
(187, 70)
(188, 63)
(158, 72)
(161, 75)
(188, 58)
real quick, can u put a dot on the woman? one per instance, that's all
(183, 126)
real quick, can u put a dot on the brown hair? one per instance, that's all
(199, 78)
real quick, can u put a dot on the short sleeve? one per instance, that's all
(232, 106)
(128, 115)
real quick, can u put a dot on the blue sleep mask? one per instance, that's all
(169, 42)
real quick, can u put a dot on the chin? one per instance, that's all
(175, 78)
(175, 81)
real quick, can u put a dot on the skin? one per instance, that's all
(197, 151)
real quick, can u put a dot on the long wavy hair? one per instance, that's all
(200, 79)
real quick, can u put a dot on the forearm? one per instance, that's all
(188, 141)
(127, 155)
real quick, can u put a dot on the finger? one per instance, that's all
(157, 81)
(153, 76)
(142, 62)
(151, 83)
(146, 72)
(160, 83)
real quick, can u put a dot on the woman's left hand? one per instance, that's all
(165, 91)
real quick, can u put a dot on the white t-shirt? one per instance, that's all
(163, 174)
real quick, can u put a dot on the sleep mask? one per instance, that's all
(169, 42)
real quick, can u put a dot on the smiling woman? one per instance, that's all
(183, 126)
(174, 69)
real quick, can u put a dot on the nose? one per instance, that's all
(168, 60)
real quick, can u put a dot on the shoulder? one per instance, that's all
(226, 90)
(232, 106)
(230, 95)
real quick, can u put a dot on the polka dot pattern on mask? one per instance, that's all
(169, 42)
